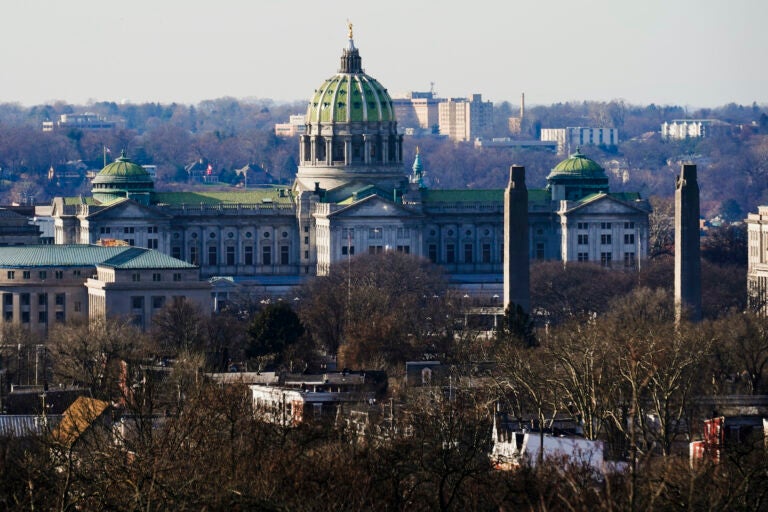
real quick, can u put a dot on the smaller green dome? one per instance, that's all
(122, 170)
(577, 166)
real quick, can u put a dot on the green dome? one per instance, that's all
(350, 95)
(122, 170)
(577, 166)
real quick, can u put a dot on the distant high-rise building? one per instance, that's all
(417, 110)
(464, 119)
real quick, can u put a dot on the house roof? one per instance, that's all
(78, 418)
(32, 256)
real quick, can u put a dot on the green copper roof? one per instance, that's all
(432, 196)
(32, 256)
(255, 196)
(350, 97)
(122, 170)
(577, 166)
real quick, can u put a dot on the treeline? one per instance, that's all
(231, 133)
(602, 349)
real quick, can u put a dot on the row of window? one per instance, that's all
(42, 274)
(604, 225)
(605, 239)
(469, 252)
(42, 299)
(156, 277)
(607, 257)
(230, 255)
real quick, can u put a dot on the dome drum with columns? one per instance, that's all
(351, 131)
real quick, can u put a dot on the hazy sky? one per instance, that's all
(685, 52)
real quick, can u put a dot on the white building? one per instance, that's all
(573, 137)
(679, 129)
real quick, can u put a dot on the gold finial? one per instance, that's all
(417, 150)
(349, 26)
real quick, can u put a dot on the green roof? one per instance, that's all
(122, 170)
(255, 196)
(577, 166)
(350, 97)
(432, 196)
(32, 256)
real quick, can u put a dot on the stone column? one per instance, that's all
(516, 241)
(687, 249)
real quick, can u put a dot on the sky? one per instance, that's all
(694, 53)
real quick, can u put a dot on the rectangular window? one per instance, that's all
(403, 232)
(486, 253)
(375, 249)
(137, 302)
(130, 229)
(42, 317)
(152, 229)
(345, 251)
(42, 299)
(157, 277)
(248, 254)
(450, 253)
(605, 259)
(375, 233)
(105, 230)
(59, 299)
(193, 258)
(583, 239)
(629, 225)
(405, 249)
(306, 253)
(177, 276)
(582, 225)
(583, 256)
(231, 255)
(176, 252)
(605, 225)
(76, 273)
(629, 238)
(26, 274)
(24, 299)
(266, 255)
(432, 253)
(629, 259)
(42, 274)
(136, 277)
(25, 317)
(78, 306)
(605, 239)
(468, 250)
(158, 302)
(131, 242)
(8, 316)
(59, 274)
(60, 316)
(539, 250)
(8, 299)
(11, 274)
(213, 255)
(306, 240)
(152, 243)
(284, 254)
(346, 233)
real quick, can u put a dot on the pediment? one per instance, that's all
(373, 206)
(605, 205)
(126, 209)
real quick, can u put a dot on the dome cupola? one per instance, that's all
(576, 177)
(122, 178)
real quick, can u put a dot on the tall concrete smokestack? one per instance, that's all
(517, 281)
(687, 246)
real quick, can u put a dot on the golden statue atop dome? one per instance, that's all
(349, 26)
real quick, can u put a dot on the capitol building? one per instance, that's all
(355, 193)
